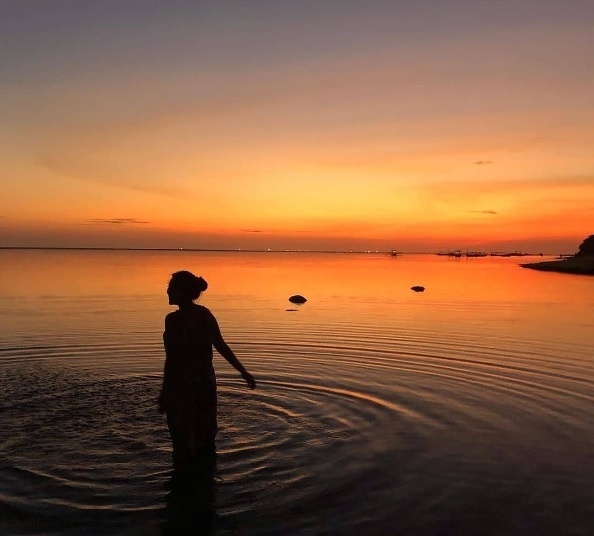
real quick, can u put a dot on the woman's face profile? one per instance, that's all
(173, 295)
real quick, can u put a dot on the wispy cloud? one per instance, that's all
(81, 171)
(483, 211)
(483, 162)
(251, 231)
(115, 221)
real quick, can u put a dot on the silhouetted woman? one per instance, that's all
(189, 393)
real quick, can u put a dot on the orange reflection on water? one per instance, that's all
(54, 291)
(318, 276)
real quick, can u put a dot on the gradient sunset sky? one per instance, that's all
(414, 125)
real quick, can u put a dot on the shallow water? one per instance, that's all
(466, 409)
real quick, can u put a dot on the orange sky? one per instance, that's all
(372, 127)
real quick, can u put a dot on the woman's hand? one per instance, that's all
(249, 379)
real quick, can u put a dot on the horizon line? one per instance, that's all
(229, 250)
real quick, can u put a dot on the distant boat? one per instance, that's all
(394, 253)
(450, 253)
(476, 254)
(507, 254)
(513, 254)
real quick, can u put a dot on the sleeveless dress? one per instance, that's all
(189, 394)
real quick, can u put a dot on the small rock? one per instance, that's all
(290, 310)
(417, 288)
(297, 298)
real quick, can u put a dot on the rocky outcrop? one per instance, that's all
(582, 263)
(417, 288)
(578, 265)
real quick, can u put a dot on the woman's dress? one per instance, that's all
(189, 394)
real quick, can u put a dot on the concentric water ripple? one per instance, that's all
(395, 419)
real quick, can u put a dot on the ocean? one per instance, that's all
(465, 409)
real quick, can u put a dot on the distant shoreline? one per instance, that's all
(238, 250)
(204, 250)
(580, 265)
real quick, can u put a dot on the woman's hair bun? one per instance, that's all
(201, 284)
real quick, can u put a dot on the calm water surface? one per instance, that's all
(466, 409)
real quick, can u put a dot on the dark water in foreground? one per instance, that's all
(468, 409)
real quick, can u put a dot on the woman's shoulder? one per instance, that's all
(178, 317)
(204, 311)
(169, 317)
(172, 319)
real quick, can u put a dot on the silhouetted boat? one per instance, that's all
(513, 254)
(507, 254)
(476, 254)
(450, 253)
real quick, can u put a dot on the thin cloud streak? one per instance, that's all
(115, 221)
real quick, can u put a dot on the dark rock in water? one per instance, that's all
(297, 299)
(290, 310)
(417, 288)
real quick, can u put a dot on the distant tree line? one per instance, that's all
(587, 246)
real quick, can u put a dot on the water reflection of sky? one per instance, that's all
(478, 294)
(373, 401)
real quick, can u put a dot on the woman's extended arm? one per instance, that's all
(223, 348)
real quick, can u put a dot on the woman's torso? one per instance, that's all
(191, 339)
